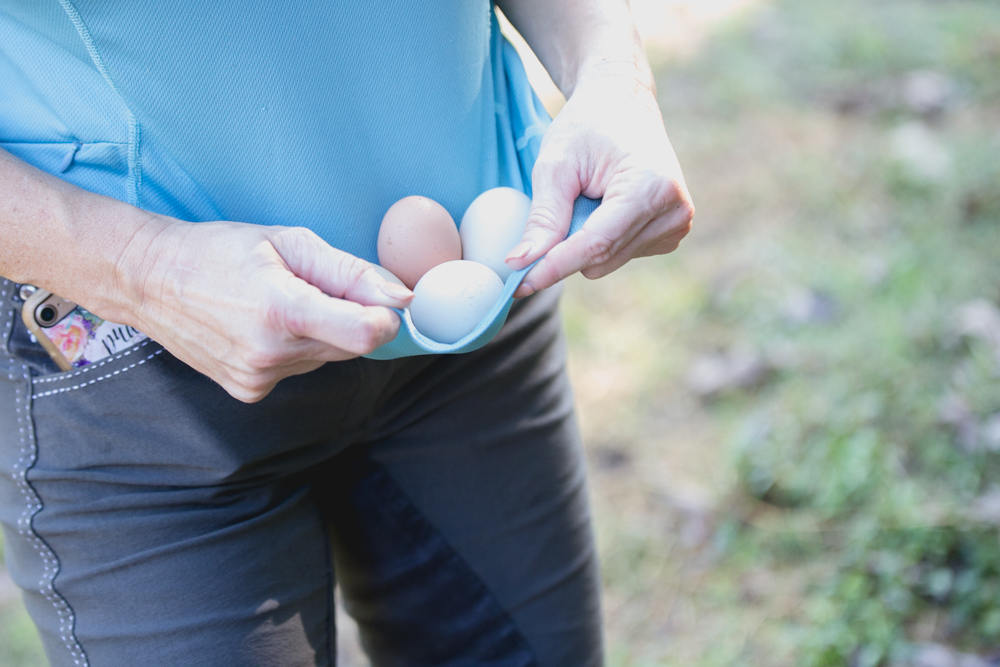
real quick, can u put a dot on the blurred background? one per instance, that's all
(793, 423)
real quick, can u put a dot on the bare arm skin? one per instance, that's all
(245, 304)
(249, 305)
(608, 141)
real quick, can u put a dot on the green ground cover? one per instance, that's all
(19, 644)
(793, 423)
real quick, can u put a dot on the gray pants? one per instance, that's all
(153, 520)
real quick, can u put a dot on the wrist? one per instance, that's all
(616, 81)
(614, 52)
(116, 243)
(136, 265)
(629, 71)
(581, 40)
(71, 242)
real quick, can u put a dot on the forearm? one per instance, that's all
(245, 304)
(67, 240)
(581, 39)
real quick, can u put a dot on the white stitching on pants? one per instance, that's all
(46, 586)
(28, 458)
(52, 392)
(87, 369)
(5, 337)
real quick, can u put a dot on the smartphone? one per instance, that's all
(73, 336)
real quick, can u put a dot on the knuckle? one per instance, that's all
(366, 334)
(600, 249)
(245, 389)
(659, 192)
(680, 223)
(663, 246)
(355, 271)
(663, 192)
(295, 323)
(257, 384)
(239, 393)
(543, 215)
(295, 236)
(252, 396)
(274, 316)
(685, 210)
(337, 264)
(348, 270)
(259, 358)
(684, 229)
(258, 387)
(289, 313)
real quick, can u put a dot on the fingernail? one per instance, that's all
(520, 251)
(395, 291)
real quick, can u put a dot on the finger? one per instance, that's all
(254, 387)
(555, 185)
(631, 203)
(340, 323)
(615, 222)
(337, 273)
(661, 236)
(311, 350)
(277, 355)
(251, 383)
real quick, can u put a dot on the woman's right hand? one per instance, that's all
(249, 305)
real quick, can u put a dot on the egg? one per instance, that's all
(452, 298)
(416, 235)
(491, 227)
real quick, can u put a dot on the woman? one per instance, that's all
(213, 175)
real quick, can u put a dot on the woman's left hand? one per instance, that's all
(608, 141)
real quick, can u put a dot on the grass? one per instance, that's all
(19, 642)
(824, 508)
(816, 511)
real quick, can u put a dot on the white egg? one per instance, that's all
(451, 299)
(491, 227)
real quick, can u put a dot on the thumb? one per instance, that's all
(335, 272)
(555, 186)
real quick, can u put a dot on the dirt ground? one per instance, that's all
(792, 424)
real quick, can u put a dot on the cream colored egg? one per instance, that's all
(491, 227)
(416, 235)
(452, 298)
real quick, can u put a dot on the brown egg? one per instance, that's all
(416, 235)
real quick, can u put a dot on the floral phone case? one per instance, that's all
(78, 337)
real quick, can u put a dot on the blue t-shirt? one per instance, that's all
(314, 114)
